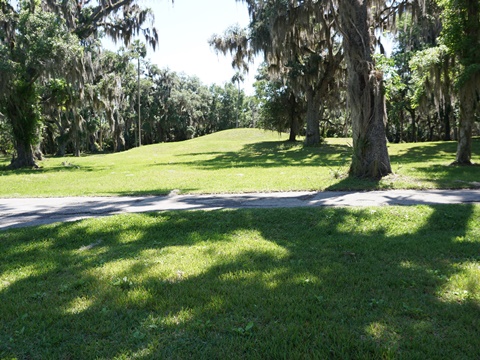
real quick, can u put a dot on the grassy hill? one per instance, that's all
(243, 160)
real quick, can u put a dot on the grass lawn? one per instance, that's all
(245, 160)
(323, 283)
(307, 283)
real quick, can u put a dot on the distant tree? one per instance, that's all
(157, 89)
(238, 78)
(280, 110)
(419, 79)
(298, 42)
(138, 51)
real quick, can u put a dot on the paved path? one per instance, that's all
(37, 211)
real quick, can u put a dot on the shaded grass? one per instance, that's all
(391, 282)
(242, 160)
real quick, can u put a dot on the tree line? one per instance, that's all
(324, 74)
(123, 98)
(62, 92)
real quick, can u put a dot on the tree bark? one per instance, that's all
(446, 123)
(119, 140)
(413, 135)
(402, 121)
(467, 113)
(365, 94)
(21, 113)
(24, 157)
(470, 88)
(294, 125)
(312, 137)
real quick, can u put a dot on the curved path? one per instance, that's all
(37, 211)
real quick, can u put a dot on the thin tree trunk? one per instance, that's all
(402, 120)
(413, 136)
(365, 93)
(447, 100)
(76, 135)
(446, 123)
(118, 134)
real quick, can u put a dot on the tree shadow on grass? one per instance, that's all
(296, 283)
(5, 171)
(450, 176)
(270, 154)
(426, 152)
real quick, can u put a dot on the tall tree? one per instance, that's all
(461, 33)
(365, 91)
(138, 50)
(298, 41)
(354, 19)
(280, 109)
(33, 43)
(420, 94)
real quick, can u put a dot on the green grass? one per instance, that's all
(245, 160)
(323, 283)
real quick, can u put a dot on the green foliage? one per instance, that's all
(393, 82)
(277, 104)
(6, 136)
(23, 110)
(423, 65)
(40, 45)
(461, 34)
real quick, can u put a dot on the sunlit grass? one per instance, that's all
(389, 282)
(242, 160)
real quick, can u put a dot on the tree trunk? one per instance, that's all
(413, 115)
(24, 157)
(21, 112)
(365, 94)
(313, 123)
(467, 113)
(402, 120)
(470, 88)
(293, 119)
(447, 101)
(446, 123)
(119, 140)
(76, 142)
(62, 148)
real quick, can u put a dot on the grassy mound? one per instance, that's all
(242, 160)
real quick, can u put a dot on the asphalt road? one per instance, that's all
(36, 211)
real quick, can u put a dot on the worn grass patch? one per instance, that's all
(243, 160)
(390, 282)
